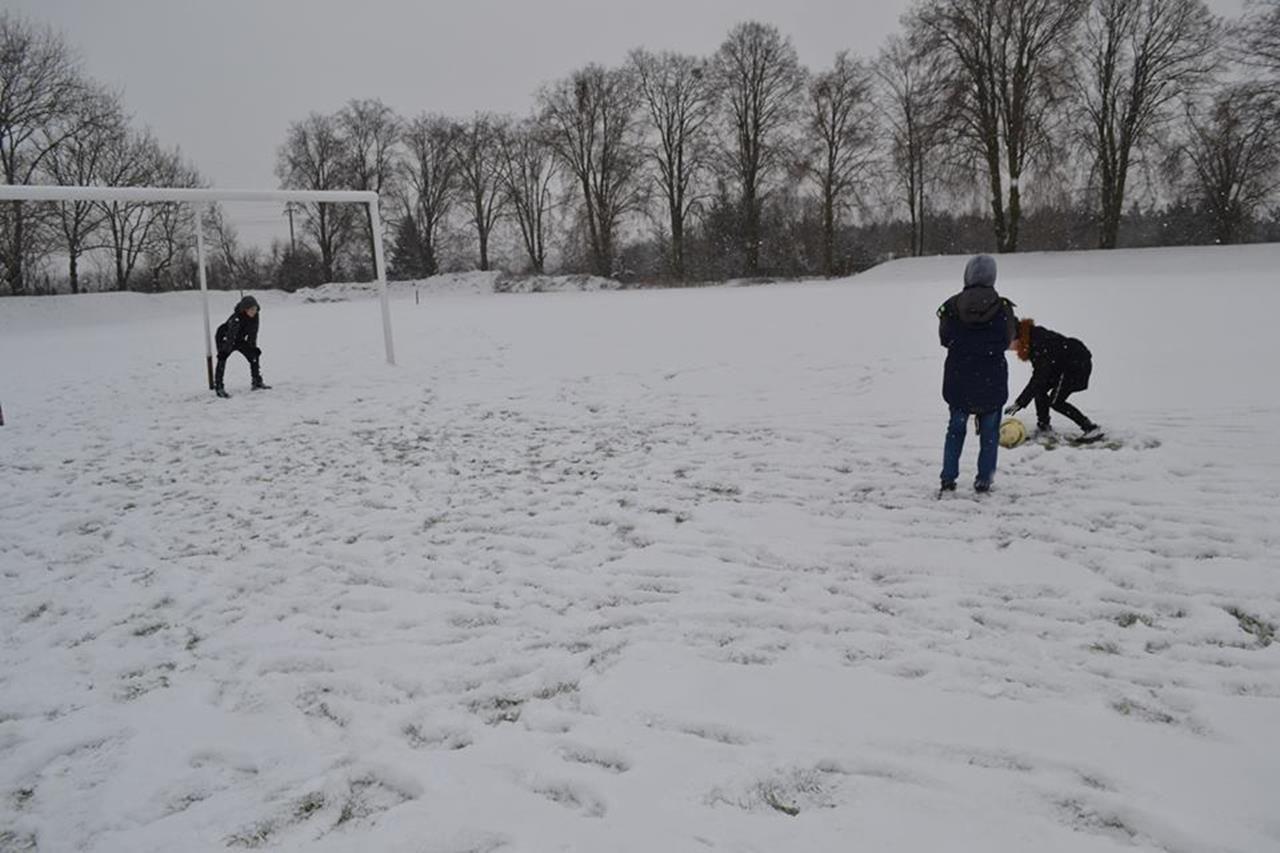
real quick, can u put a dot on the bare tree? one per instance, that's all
(315, 156)
(1235, 163)
(430, 185)
(679, 96)
(913, 110)
(81, 161)
(173, 225)
(761, 80)
(42, 96)
(371, 132)
(1139, 56)
(1008, 64)
(591, 121)
(479, 159)
(841, 132)
(528, 172)
(242, 266)
(1258, 35)
(130, 161)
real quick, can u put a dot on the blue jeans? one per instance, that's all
(988, 444)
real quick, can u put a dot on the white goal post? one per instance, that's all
(200, 199)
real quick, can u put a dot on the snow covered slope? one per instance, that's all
(641, 571)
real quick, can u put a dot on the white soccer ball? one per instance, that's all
(1012, 432)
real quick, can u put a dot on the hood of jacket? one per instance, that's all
(977, 304)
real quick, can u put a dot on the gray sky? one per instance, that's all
(223, 78)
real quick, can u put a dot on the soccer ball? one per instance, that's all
(1012, 432)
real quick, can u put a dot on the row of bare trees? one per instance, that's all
(604, 148)
(58, 126)
(739, 163)
(998, 103)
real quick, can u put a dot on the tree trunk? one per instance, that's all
(73, 266)
(16, 283)
(751, 231)
(1015, 216)
(373, 247)
(920, 207)
(605, 264)
(326, 245)
(997, 191)
(677, 244)
(429, 258)
(920, 214)
(828, 235)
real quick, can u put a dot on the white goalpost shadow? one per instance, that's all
(200, 200)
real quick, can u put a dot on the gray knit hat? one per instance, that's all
(980, 271)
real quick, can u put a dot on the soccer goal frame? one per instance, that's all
(200, 201)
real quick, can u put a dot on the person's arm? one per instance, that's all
(946, 334)
(1028, 394)
(1044, 375)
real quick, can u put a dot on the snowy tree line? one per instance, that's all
(983, 124)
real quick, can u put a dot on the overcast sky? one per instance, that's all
(223, 78)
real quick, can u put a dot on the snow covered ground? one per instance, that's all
(641, 571)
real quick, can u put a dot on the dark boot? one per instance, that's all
(255, 372)
(1091, 433)
(221, 392)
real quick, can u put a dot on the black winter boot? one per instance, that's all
(221, 392)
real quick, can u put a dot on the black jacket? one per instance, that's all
(1059, 365)
(976, 326)
(240, 332)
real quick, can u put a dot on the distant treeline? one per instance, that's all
(1000, 125)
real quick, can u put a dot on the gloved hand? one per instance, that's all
(1012, 409)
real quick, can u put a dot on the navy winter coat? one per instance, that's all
(976, 326)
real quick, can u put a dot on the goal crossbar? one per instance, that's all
(200, 198)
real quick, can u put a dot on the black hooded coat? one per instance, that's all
(1059, 366)
(240, 332)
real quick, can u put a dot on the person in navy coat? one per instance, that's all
(976, 326)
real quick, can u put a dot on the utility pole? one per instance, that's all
(293, 246)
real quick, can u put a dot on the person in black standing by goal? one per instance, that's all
(239, 334)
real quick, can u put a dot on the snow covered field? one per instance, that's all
(642, 571)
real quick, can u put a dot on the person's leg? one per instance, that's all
(251, 355)
(988, 445)
(1077, 416)
(1042, 410)
(219, 369)
(955, 444)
